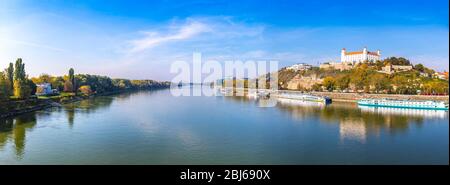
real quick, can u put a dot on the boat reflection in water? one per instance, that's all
(302, 103)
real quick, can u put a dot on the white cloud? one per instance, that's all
(30, 44)
(153, 38)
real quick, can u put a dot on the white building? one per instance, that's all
(359, 56)
(44, 89)
(300, 67)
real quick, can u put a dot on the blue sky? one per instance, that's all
(140, 39)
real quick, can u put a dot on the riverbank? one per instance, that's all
(353, 97)
(17, 107)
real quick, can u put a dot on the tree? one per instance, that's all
(9, 75)
(22, 89)
(342, 82)
(358, 77)
(72, 78)
(379, 82)
(397, 61)
(435, 86)
(85, 90)
(68, 86)
(58, 83)
(4, 87)
(419, 67)
(402, 85)
(316, 87)
(43, 78)
(22, 86)
(329, 83)
(19, 70)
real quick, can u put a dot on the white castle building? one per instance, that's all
(300, 67)
(359, 56)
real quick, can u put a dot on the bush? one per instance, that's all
(85, 90)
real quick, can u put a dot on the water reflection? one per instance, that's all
(355, 123)
(14, 130)
(179, 130)
(406, 112)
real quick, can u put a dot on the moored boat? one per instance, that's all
(412, 104)
(305, 97)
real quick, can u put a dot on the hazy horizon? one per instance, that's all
(140, 40)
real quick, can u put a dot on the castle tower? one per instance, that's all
(343, 55)
(365, 57)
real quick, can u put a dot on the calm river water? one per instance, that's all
(153, 127)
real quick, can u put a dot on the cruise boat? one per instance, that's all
(305, 97)
(412, 104)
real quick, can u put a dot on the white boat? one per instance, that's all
(304, 97)
(412, 104)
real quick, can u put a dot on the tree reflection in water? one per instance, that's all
(14, 130)
(356, 122)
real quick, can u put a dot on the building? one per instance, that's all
(300, 67)
(337, 65)
(351, 59)
(44, 89)
(359, 56)
(389, 69)
(442, 76)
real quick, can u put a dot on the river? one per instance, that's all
(153, 127)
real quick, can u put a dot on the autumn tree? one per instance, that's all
(359, 76)
(329, 83)
(380, 82)
(22, 87)
(342, 82)
(68, 86)
(85, 90)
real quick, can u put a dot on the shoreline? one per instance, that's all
(353, 97)
(35, 104)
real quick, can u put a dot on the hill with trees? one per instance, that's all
(368, 77)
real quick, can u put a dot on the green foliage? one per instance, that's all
(4, 87)
(380, 82)
(9, 75)
(359, 77)
(85, 90)
(72, 79)
(435, 86)
(342, 81)
(367, 77)
(22, 89)
(397, 61)
(419, 67)
(19, 70)
(329, 83)
(22, 85)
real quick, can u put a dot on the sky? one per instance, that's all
(141, 39)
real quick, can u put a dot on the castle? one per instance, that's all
(350, 59)
(355, 57)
